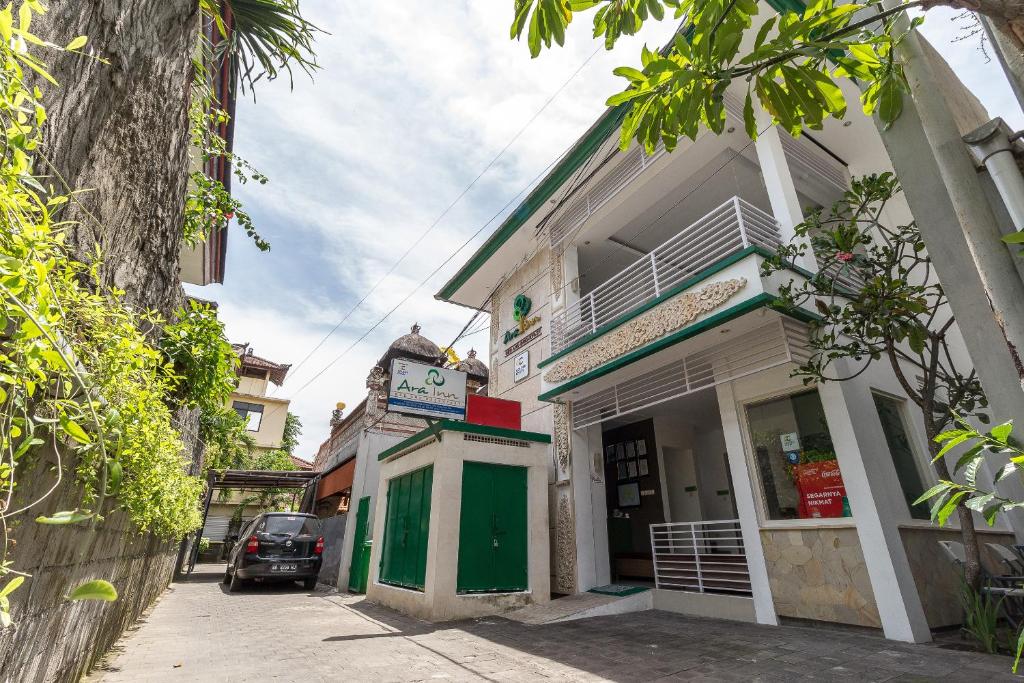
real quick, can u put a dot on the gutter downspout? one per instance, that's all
(992, 147)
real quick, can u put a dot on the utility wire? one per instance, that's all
(451, 205)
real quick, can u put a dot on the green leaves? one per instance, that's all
(5, 600)
(794, 64)
(97, 589)
(65, 517)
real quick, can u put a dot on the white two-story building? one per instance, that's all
(630, 319)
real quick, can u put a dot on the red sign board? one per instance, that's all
(493, 412)
(821, 490)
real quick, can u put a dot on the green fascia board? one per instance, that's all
(763, 300)
(466, 428)
(581, 151)
(681, 287)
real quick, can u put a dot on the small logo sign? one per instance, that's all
(521, 367)
(521, 307)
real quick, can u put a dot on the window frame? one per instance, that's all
(764, 520)
(921, 461)
(248, 411)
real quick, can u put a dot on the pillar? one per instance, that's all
(743, 491)
(858, 438)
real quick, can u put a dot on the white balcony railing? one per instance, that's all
(733, 226)
(701, 557)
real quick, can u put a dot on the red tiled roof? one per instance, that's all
(300, 463)
(250, 360)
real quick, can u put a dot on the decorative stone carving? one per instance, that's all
(565, 545)
(562, 441)
(664, 318)
(556, 271)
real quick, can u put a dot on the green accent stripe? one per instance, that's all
(681, 287)
(467, 428)
(580, 152)
(760, 301)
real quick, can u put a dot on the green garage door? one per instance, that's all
(492, 532)
(404, 555)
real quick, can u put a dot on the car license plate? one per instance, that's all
(282, 567)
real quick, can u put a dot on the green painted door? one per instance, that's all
(357, 569)
(492, 529)
(403, 558)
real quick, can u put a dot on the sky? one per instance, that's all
(408, 109)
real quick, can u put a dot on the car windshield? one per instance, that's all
(291, 525)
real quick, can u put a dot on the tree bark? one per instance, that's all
(120, 131)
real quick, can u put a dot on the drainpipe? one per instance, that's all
(992, 146)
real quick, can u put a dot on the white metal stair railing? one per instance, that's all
(701, 557)
(734, 225)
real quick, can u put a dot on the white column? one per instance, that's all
(570, 292)
(591, 513)
(778, 181)
(743, 491)
(857, 436)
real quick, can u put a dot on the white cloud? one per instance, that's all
(412, 102)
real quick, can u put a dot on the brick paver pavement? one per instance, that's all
(200, 632)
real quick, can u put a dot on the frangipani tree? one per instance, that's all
(895, 312)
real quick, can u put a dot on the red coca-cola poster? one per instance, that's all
(820, 488)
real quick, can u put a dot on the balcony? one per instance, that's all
(731, 227)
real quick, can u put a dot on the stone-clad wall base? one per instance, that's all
(56, 640)
(820, 574)
(937, 581)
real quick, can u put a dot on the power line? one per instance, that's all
(451, 205)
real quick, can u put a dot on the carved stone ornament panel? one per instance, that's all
(667, 317)
(562, 441)
(565, 545)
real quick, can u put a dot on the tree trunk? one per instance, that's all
(968, 534)
(120, 131)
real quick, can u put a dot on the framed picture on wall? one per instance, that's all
(641, 447)
(642, 466)
(622, 471)
(629, 495)
(630, 449)
(631, 468)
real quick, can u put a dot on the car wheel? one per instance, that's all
(236, 583)
(310, 583)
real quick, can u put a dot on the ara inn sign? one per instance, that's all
(427, 390)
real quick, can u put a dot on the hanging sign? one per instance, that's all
(427, 390)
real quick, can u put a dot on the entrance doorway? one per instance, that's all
(672, 520)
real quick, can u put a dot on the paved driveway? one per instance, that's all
(200, 632)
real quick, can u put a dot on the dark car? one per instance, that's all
(277, 546)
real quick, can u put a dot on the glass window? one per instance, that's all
(289, 525)
(252, 413)
(799, 473)
(890, 412)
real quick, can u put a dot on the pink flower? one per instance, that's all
(845, 256)
(229, 215)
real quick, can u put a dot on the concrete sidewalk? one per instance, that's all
(200, 632)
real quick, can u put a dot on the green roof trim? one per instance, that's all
(581, 151)
(763, 300)
(467, 428)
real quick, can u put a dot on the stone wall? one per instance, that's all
(937, 580)
(57, 640)
(820, 574)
